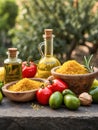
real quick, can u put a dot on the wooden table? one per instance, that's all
(25, 116)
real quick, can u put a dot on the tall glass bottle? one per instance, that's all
(13, 66)
(48, 61)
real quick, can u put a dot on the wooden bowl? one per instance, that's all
(20, 96)
(77, 83)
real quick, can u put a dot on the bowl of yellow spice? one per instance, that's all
(79, 77)
(23, 90)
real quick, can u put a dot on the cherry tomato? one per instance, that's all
(57, 85)
(29, 69)
(43, 95)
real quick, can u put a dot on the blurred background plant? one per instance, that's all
(75, 22)
(8, 13)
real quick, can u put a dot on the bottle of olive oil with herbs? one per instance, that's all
(47, 61)
(13, 66)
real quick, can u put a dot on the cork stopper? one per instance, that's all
(12, 52)
(48, 33)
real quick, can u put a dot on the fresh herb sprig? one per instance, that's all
(87, 63)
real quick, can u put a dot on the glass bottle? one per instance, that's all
(48, 61)
(13, 66)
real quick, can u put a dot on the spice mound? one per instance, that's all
(25, 84)
(72, 67)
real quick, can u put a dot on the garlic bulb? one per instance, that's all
(85, 99)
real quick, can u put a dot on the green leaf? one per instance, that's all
(87, 63)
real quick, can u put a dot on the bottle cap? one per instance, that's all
(12, 52)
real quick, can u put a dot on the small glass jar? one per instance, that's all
(13, 66)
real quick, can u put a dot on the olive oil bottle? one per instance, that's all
(13, 66)
(47, 61)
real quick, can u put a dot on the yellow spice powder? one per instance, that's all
(25, 84)
(72, 67)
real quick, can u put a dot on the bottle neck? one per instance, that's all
(49, 46)
(12, 57)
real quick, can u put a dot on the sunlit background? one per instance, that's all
(74, 24)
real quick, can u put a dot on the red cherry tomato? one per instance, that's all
(57, 85)
(43, 95)
(29, 69)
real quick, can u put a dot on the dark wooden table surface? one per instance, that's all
(32, 116)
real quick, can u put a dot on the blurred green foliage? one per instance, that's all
(8, 13)
(74, 23)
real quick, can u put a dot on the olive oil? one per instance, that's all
(48, 61)
(13, 66)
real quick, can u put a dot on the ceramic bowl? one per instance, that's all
(20, 96)
(77, 83)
